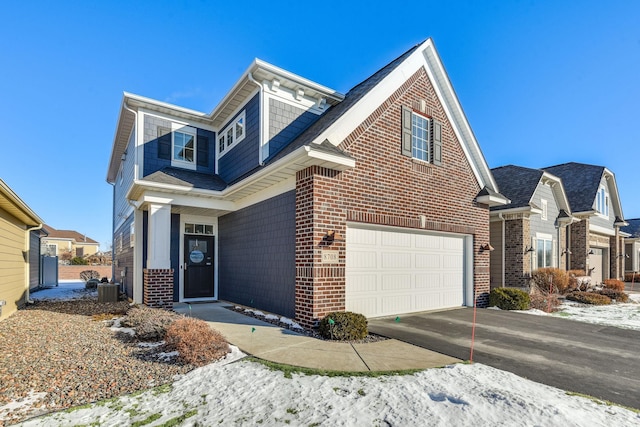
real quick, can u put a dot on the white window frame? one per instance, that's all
(230, 132)
(186, 130)
(545, 210)
(544, 239)
(415, 138)
(602, 201)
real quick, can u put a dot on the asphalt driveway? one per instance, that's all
(600, 361)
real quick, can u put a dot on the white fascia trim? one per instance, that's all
(522, 209)
(427, 57)
(492, 200)
(173, 119)
(340, 160)
(186, 200)
(145, 102)
(611, 181)
(601, 230)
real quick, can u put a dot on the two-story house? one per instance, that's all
(529, 232)
(296, 199)
(594, 242)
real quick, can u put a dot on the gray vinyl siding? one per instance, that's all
(285, 123)
(123, 258)
(244, 156)
(34, 259)
(538, 225)
(120, 205)
(600, 220)
(256, 264)
(152, 160)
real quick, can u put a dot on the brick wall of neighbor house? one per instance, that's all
(579, 240)
(158, 288)
(616, 254)
(384, 188)
(517, 259)
(256, 263)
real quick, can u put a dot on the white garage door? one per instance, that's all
(391, 272)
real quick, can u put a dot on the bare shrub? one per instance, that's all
(546, 278)
(589, 298)
(544, 302)
(150, 324)
(619, 296)
(615, 284)
(196, 342)
(632, 277)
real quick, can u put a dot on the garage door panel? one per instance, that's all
(360, 283)
(427, 261)
(391, 260)
(427, 281)
(393, 272)
(362, 260)
(395, 282)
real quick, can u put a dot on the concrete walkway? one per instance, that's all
(275, 344)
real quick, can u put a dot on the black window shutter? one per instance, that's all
(406, 131)
(203, 151)
(164, 143)
(437, 143)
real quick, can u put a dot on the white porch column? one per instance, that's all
(159, 237)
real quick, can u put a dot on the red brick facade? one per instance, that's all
(385, 188)
(158, 288)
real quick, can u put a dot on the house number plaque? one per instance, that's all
(329, 256)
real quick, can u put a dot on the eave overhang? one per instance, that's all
(487, 196)
(11, 203)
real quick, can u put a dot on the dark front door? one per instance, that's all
(198, 266)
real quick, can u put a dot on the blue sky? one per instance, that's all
(541, 82)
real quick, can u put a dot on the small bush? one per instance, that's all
(91, 284)
(614, 294)
(150, 324)
(509, 299)
(343, 326)
(544, 302)
(615, 284)
(589, 298)
(89, 274)
(632, 277)
(196, 343)
(544, 278)
(79, 261)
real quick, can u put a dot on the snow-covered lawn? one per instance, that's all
(241, 392)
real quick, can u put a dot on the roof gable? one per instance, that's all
(364, 98)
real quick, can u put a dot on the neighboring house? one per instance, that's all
(595, 242)
(60, 241)
(529, 232)
(299, 200)
(17, 221)
(632, 245)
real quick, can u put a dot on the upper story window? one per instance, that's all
(184, 147)
(232, 134)
(602, 201)
(419, 137)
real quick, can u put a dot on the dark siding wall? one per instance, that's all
(244, 156)
(285, 123)
(257, 255)
(152, 160)
(34, 259)
(124, 258)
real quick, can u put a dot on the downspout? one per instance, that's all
(503, 255)
(27, 300)
(261, 88)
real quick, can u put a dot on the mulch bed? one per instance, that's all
(59, 348)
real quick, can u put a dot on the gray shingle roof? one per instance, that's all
(633, 228)
(517, 183)
(175, 176)
(581, 183)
